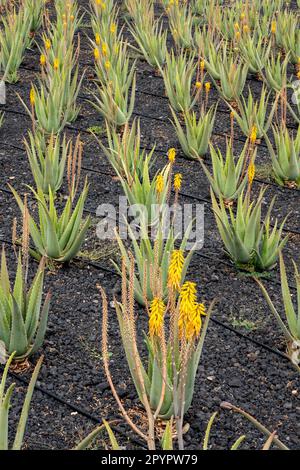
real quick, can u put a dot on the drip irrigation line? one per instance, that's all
(187, 195)
(72, 406)
(99, 267)
(214, 320)
(196, 253)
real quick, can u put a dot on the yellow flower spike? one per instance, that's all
(32, 96)
(198, 85)
(42, 60)
(202, 65)
(251, 173)
(47, 44)
(201, 309)
(273, 27)
(231, 115)
(243, 16)
(175, 269)
(188, 297)
(113, 28)
(157, 310)
(187, 308)
(107, 65)
(177, 181)
(171, 155)
(97, 39)
(195, 323)
(253, 134)
(56, 63)
(104, 49)
(72, 17)
(159, 183)
(246, 28)
(298, 74)
(207, 87)
(96, 53)
(237, 35)
(236, 26)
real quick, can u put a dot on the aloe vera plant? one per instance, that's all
(57, 237)
(114, 65)
(46, 110)
(113, 101)
(47, 160)
(287, 34)
(249, 241)
(181, 21)
(178, 75)
(150, 38)
(23, 320)
(124, 151)
(144, 192)
(34, 9)
(256, 51)
(250, 113)
(275, 72)
(207, 42)
(14, 39)
(214, 57)
(5, 405)
(285, 156)
(164, 383)
(290, 328)
(227, 180)
(233, 74)
(194, 137)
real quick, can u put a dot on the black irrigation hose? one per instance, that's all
(199, 254)
(85, 131)
(190, 196)
(72, 406)
(218, 322)
(99, 267)
(196, 253)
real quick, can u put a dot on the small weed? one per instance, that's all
(97, 130)
(243, 323)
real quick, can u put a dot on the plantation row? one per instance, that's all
(194, 46)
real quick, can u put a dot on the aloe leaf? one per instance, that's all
(89, 438)
(25, 409)
(18, 337)
(238, 442)
(167, 439)
(4, 409)
(40, 334)
(112, 437)
(208, 430)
